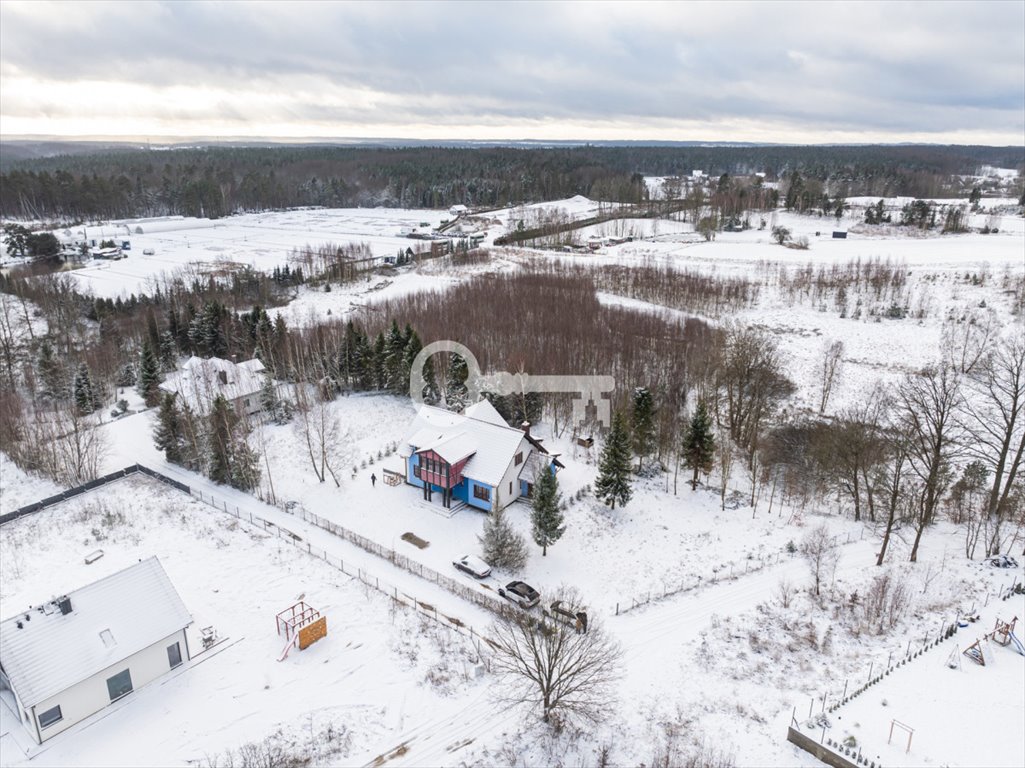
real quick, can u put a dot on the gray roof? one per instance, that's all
(110, 620)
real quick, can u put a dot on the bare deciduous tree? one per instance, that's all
(819, 549)
(894, 486)
(967, 343)
(566, 673)
(832, 367)
(995, 420)
(927, 405)
(751, 383)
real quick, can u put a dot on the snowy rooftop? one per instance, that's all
(493, 445)
(200, 381)
(110, 620)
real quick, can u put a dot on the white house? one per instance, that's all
(200, 381)
(458, 210)
(473, 457)
(68, 658)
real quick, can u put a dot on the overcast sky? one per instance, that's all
(728, 71)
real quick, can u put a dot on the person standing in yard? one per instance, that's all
(373, 479)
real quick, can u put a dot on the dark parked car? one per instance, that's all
(473, 565)
(520, 593)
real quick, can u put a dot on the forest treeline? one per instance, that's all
(217, 181)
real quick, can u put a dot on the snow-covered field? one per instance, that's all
(378, 668)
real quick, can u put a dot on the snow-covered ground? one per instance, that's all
(379, 667)
(711, 653)
(260, 240)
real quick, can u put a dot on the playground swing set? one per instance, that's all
(1002, 634)
(302, 626)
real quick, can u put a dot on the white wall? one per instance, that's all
(512, 475)
(91, 695)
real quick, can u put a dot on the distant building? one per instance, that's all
(458, 210)
(200, 381)
(474, 457)
(69, 658)
(839, 235)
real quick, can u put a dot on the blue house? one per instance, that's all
(474, 457)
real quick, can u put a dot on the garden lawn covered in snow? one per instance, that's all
(380, 665)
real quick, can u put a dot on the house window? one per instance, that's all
(510, 487)
(174, 655)
(50, 716)
(119, 685)
(416, 470)
(482, 492)
(519, 458)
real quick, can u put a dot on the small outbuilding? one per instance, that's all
(67, 659)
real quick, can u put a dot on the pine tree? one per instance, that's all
(222, 421)
(642, 419)
(546, 515)
(245, 466)
(168, 351)
(85, 396)
(268, 395)
(394, 357)
(455, 387)
(413, 347)
(51, 373)
(379, 363)
(149, 375)
(501, 545)
(613, 482)
(699, 443)
(432, 395)
(169, 432)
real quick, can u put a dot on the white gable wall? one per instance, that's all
(511, 475)
(91, 695)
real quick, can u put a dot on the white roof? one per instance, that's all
(198, 382)
(495, 444)
(453, 447)
(485, 411)
(110, 620)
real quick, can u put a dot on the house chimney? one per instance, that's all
(223, 376)
(525, 426)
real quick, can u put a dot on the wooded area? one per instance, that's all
(216, 181)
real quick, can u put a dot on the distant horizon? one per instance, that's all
(397, 141)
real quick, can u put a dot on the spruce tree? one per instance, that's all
(149, 375)
(85, 395)
(379, 362)
(394, 357)
(168, 434)
(546, 515)
(219, 449)
(501, 545)
(642, 419)
(613, 483)
(51, 373)
(455, 386)
(699, 443)
(413, 347)
(268, 395)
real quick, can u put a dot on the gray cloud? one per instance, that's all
(936, 68)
